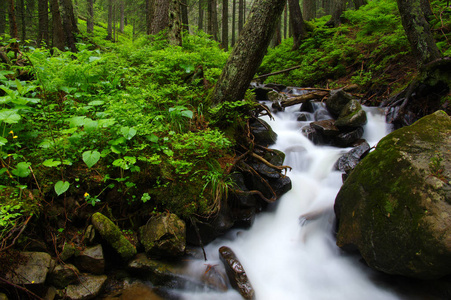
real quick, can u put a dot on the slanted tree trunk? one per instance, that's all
(43, 22)
(338, 9)
(90, 17)
(248, 52)
(418, 31)
(309, 9)
(225, 25)
(57, 24)
(297, 23)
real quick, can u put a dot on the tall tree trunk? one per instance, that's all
(426, 8)
(240, 16)
(418, 32)
(359, 3)
(213, 19)
(110, 20)
(43, 22)
(225, 25)
(327, 5)
(150, 8)
(184, 9)
(20, 11)
(57, 25)
(90, 17)
(12, 20)
(174, 23)
(69, 25)
(338, 9)
(277, 36)
(3, 13)
(248, 52)
(285, 22)
(122, 18)
(309, 9)
(297, 23)
(114, 21)
(160, 16)
(200, 21)
(233, 21)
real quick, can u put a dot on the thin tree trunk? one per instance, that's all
(200, 21)
(122, 19)
(418, 32)
(225, 25)
(248, 52)
(90, 19)
(3, 13)
(297, 23)
(110, 20)
(12, 20)
(69, 25)
(277, 37)
(240, 16)
(233, 21)
(114, 21)
(285, 22)
(212, 19)
(43, 22)
(57, 24)
(184, 9)
(150, 9)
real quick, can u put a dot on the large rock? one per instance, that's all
(32, 268)
(351, 116)
(164, 235)
(113, 236)
(89, 287)
(337, 101)
(91, 260)
(395, 207)
(263, 133)
(63, 275)
(236, 273)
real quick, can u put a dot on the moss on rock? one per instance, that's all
(394, 209)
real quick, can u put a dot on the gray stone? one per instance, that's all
(263, 133)
(89, 287)
(164, 235)
(32, 269)
(337, 101)
(325, 127)
(395, 206)
(347, 162)
(91, 260)
(63, 275)
(352, 115)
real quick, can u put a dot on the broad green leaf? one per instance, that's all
(128, 132)
(96, 103)
(5, 99)
(19, 87)
(77, 121)
(152, 138)
(67, 89)
(91, 125)
(187, 113)
(106, 122)
(9, 116)
(61, 187)
(46, 144)
(3, 141)
(22, 169)
(91, 157)
(93, 58)
(51, 163)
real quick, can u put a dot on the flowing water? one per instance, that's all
(290, 252)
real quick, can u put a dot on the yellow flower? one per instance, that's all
(15, 137)
(86, 195)
(11, 132)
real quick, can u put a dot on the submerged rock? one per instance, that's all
(395, 207)
(164, 235)
(235, 271)
(113, 236)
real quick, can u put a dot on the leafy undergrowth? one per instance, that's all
(122, 131)
(370, 49)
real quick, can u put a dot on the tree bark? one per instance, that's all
(200, 21)
(3, 12)
(225, 25)
(12, 20)
(43, 22)
(285, 21)
(184, 9)
(110, 20)
(20, 11)
(248, 52)
(150, 8)
(418, 32)
(69, 24)
(160, 16)
(309, 9)
(297, 23)
(240, 16)
(233, 21)
(90, 19)
(57, 24)
(359, 3)
(338, 9)
(174, 23)
(122, 16)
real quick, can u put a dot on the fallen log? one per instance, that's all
(276, 73)
(304, 98)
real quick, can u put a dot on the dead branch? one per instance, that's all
(304, 98)
(18, 235)
(278, 72)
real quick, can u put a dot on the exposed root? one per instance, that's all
(261, 159)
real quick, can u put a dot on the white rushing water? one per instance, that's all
(285, 256)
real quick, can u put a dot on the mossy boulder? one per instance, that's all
(113, 236)
(337, 101)
(164, 235)
(351, 116)
(395, 206)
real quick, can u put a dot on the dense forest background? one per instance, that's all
(103, 103)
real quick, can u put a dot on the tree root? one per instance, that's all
(261, 159)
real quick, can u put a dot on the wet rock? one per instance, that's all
(63, 275)
(395, 206)
(89, 287)
(244, 217)
(351, 116)
(325, 128)
(243, 199)
(303, 117)
(310, 133)
(337, 101)
(33, 268)
(281, 185)
(236, 273)
(276, 99)
(346, 139)
(261, 93)
(164, 235)
(274, 157)
(91, 260)
(68, 252)
(322, 114)
(308, 107)
(347, 162)
(263, 133)
(113, 236)
(214, 278)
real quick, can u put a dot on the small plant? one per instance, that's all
(436, 167)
